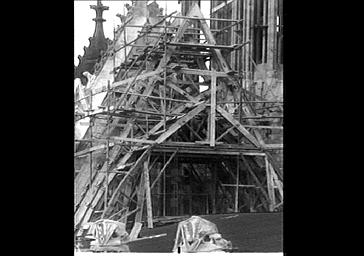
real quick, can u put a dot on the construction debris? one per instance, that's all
(199, 235)
(107, 235)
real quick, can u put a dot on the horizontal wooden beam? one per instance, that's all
(143, 141)
(197, 18)
(201, 72)
(227, 47)
(211, 151)
(140, 77)
(94, 148)
(155, 97)
(173, 27)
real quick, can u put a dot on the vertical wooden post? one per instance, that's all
(271, 33)
(91, 137)
(107, 149)
(213, 110)
(234, 10)
(270, 185)
(165, 72)
(243, 39)
(263, 22)
(140, 204)
(125, 52)
(90, 162)
(106, 175)
(277, 182)
(147, 193)
(250, 46)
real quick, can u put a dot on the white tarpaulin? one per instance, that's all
(199, 235)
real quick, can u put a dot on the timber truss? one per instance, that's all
(155, 112)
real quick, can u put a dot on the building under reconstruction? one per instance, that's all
(180, 114)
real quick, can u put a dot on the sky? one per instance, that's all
(84, 25)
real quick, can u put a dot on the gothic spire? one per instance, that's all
(99, 9)
(98, 43)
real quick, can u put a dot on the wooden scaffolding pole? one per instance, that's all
(270, 185)
(213, 110)
(147, 189)
(255, 178)
(140, 204)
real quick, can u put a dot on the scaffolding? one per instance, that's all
(178, 130)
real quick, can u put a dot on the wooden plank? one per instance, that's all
(275, 165)
(238, 126)
(135, 231)
(270, 185)
(193, 132)
(148, 193)
(137, 88)
(224, 133)
(142, 141)
(144, 238)
(125, 199)
(155, 97)
(189, 17)
(182, 92)
(201, 72)
(212, 129)
(92, 149)
(271, 38)
(140, 77)
(277, 182)
(89, 194)
(198, 45)
(222, 5)
(202, 153)
(260, 185)
(163, 169)
(233, 36)
(128, 214)
(132, 169)
(180, 122)
(140, 199)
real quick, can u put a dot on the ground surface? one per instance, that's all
(249, 232)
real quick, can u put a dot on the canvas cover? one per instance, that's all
(199, 235)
